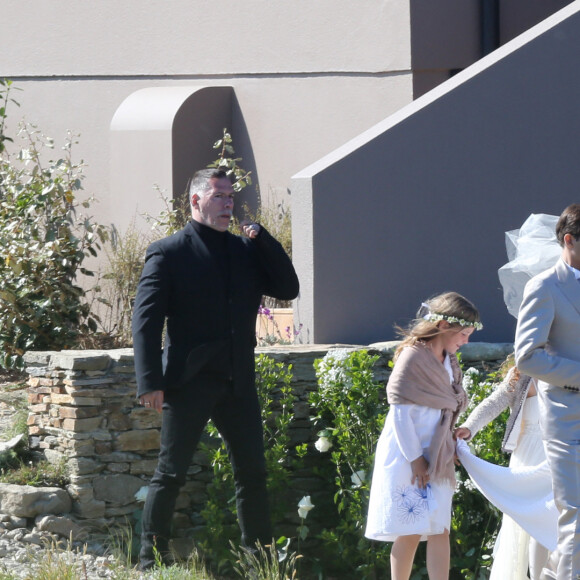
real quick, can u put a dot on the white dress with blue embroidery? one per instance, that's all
(397, 507)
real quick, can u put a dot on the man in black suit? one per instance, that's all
(206, 284)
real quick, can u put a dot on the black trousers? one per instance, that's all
(185, 413)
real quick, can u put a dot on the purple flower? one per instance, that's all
(265, 312)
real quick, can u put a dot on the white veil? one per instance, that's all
(531, 250)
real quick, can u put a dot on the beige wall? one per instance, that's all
(307, 76)
(180, 37)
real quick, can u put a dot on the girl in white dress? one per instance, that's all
(414, 474)
(515, 550)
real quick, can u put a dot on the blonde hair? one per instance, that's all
(448, 304)
(504, 369)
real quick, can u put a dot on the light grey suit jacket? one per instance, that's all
(547, 347)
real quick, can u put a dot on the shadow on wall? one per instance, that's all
(198, 124)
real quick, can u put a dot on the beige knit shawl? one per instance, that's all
(419, 378)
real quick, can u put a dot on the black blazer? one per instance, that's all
(182, 284)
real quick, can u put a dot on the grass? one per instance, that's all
(18, 465)
(67, 563)
(38, 474)
(268, 563)
(13, 395)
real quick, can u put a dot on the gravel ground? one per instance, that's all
(23, 553)
(31, 555)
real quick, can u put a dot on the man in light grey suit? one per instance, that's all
(548, 348)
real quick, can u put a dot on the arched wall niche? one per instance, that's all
(159, 137)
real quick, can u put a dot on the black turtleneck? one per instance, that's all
(217, 244)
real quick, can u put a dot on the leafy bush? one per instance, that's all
(44, 241)
(475, 521)
(350, 412)
(5, 88)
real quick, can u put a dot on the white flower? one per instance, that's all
(337, 354)
(142, 493)
(333, 371)
(468, 484)
(323, 444)
(358, 478)
(304, 506)
(469, 378)
(435, 317)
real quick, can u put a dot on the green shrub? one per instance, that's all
(350, 412)
(45, 239)
(475, 521)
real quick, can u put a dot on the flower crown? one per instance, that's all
(436, 317)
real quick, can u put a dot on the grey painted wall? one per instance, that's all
(419, 204)
(448, 35)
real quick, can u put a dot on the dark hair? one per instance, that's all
(199, 182)
(569, 223)
(449, 304)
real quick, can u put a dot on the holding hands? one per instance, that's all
(462, 433)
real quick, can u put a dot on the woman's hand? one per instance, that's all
(420, 469)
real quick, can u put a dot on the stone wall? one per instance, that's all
(83, 411)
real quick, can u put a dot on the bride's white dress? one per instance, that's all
(523, 492)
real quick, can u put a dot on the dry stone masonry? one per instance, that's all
(83, 411)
